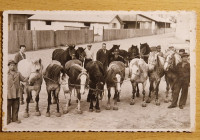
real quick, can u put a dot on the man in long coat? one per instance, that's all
(102, 56)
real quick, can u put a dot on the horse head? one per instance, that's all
(144, 49)
(152, 60)
(83, 77)
(172, 59)
(99, 90)
(36, 71)
(134, 70)
(80, 53)
(116, 77)
(63, 80)
(71, 51)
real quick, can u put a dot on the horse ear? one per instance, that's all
(40, 60)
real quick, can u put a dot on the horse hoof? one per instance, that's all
(37, 113)
(76, 101)
(26, 115)
(79, 111)
(166, 101)
(108, 107)
(58, 114)
(90, 110)
(144, 104)
(47, 114)
(115, 108)
(65, 111)
(98, 110)
(132, 103)
(148, 100)
(137, 95)
(157, 103)
(22, 102)
(31, 101)
(118, 100)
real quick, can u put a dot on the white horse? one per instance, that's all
(31, 69)
(138, 70)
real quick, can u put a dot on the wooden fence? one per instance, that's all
(37, 39)
(114, 34)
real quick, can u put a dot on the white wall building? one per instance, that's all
(75, 22)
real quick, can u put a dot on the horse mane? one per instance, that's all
(53, 71)
(148, 49)
(177, 58)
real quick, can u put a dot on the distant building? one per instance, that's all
(75, 22)
(141, 21)
(18, 22)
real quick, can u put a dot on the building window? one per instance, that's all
(48, 22)
(114, 25)
(87, 24)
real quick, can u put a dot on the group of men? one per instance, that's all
(15, 87)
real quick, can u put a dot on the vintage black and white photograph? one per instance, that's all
(99, 71)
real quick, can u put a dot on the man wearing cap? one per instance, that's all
(182, 83)
(13, 86)
(158, 49)
(181, 51)
(102, 56)
(117, 57)
(89, 54)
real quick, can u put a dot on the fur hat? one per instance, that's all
(11, 62)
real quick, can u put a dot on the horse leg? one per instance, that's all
(49, 102)
(137, 92)
(31, 98)
(79, 111)
(56, 92)
(133, 93)
(90, 99)
(116, 95)
(65, 111)
(97, 105)
(167, 89)
(156, 91)
(150, 90)
(54, 98)
(26, 114)
(143, 92)
(108, 107)
(37, 113)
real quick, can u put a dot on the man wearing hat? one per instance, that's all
(13, 86)
(158, 49)
(89, 54)
(182, 82)
(117, 57)
(181, 52)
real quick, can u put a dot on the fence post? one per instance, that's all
(103, 34)
(54, 38)
(93, 34)
(34, 38)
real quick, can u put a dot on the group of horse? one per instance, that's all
(66, 72)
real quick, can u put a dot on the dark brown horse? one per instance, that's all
(172, 59)
(64, 55)
(97, 80)
(114, 79)
(156, 72)
(53, 76)
(144, 51)
(133, 52)
(78, 80)
(80, 54)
